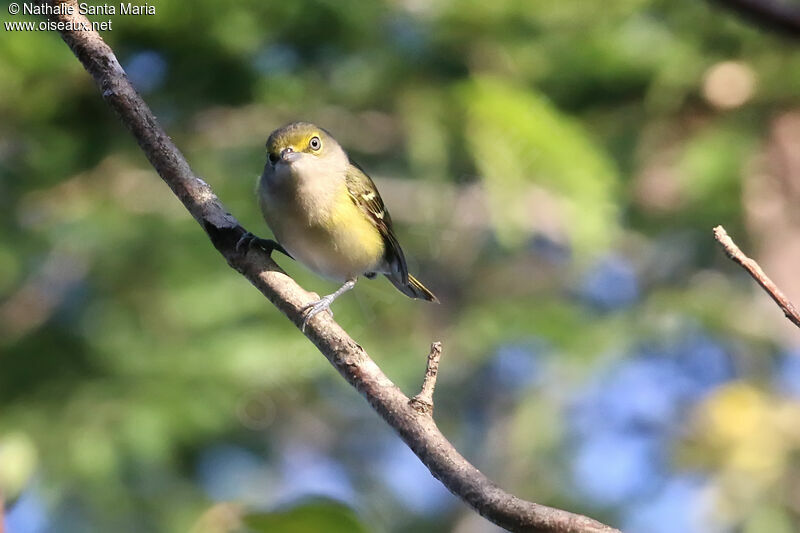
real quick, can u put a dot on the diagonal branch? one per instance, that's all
(417, 430)
(758, 274)
(776, 15)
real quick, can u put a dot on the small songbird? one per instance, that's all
(327, 214)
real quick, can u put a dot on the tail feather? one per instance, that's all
(412, 289)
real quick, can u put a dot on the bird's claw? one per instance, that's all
(245, 241)
(248, 240)
(314, 308)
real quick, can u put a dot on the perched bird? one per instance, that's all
(327, 214)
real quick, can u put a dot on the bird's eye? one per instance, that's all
(315, 143)
(273, 158)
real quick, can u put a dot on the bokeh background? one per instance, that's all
(554, 170)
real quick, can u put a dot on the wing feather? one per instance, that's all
(366, 196)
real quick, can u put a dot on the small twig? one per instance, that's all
(758, 274)
(423, 402)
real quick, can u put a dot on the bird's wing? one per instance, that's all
(366, 196)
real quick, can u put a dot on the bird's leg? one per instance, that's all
(248, 240)
(324, 303)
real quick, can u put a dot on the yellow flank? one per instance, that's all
(353, 234)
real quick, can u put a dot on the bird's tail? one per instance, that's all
(412, 289)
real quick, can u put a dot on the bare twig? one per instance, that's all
(423, 402)
(418, 431)
(775, 15)
(758, 274)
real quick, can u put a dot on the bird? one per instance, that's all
(326, 213)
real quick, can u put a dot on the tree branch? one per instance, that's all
(417, 430)
(758, 274)
(775, 15)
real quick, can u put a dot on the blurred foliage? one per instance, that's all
(321, 516)
(554, 171)
(516, 138)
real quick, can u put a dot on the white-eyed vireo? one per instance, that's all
(326, 213)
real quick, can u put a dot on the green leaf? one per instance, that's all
(519, 139)
(317, 515)
(18, 462)
(710, 172)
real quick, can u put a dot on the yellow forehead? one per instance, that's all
(296, 135)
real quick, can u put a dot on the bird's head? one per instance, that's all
(302, 142)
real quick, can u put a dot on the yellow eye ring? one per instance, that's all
(315, 143)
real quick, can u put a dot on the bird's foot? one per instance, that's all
(324, 303)
(314, 308)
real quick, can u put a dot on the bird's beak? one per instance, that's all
(288, 155)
